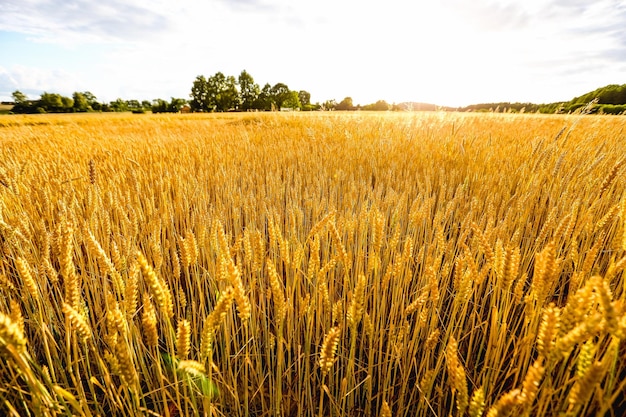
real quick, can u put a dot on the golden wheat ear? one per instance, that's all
(329, 349)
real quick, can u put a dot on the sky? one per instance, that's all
(446, 52)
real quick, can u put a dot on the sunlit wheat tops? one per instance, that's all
(312, 264)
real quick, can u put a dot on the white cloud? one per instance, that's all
(80, 21)
(451, 51)
(32, 81)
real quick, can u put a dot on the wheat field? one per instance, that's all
(327, 264)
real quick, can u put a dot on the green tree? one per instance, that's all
(51, 103)
(176, 104)
(22, 104)
(380, 105)
(329, 105)
(19, 97)
(217, 93)
(199, 94)
(162, 106)
(292, 101)
(81, 104)
(305, 98)
(68, 104)
(264, 101)
(118, 105)
(280, 93)
(249, 91)
(159, 106)
(222, 92)
(54, 103)
(92, 101)
(345, 104)
(133, 104)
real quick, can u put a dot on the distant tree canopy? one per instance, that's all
(611, 94)
(248, 91)
(55, 103)
(380, 105)
(348, 104)
(345, 104)
(19, 97)
(329, 105)
(305, 97)
(220, 93)
(217, 93)
(86, 102)
(610, 99)
(162, 106)
(264, 101)
(226, 93)
(292, 101)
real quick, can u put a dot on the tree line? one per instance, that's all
(221, 93)
(217, 93)
(81, 102)
(610, 99)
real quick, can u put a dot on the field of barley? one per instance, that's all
(326, 264)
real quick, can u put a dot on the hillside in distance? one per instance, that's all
(610, 99)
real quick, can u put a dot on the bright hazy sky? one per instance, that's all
(448, 52)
